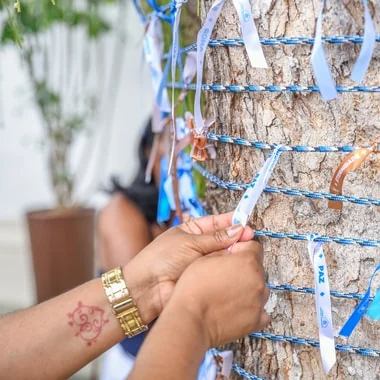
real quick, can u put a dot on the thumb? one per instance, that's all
(221, 239)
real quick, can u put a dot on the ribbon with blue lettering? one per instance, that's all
(249, 33)
(203, 38)
(320, 65)
(361, 309)
(322, 304)
(153, 45)
(248, 202)
(367, 48)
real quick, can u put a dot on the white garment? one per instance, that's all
(116, 364)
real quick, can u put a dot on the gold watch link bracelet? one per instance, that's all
(123, 305)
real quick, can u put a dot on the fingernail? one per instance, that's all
(234, 230)
(252, 232)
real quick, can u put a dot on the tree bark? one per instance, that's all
(300, 119)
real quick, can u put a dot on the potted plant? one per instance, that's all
(62, 238)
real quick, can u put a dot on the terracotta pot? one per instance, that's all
(62, 245)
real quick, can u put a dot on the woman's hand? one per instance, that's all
(153, 273)
(225, 293)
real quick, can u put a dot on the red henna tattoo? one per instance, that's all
(89, 320)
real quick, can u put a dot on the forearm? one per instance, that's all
(55, 339)
(58, 337)
(174, 348)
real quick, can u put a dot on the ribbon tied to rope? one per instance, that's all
(322, 303)
(373, 311)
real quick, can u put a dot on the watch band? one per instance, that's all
(123, 305)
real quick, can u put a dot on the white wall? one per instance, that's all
(23, 174)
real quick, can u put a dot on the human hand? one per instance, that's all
(225, 292)
(153, 273)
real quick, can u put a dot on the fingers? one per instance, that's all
(213, 223)
(208, 224)
(249, 247)
(218, 240)
(248, 234)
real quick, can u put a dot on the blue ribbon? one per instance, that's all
(374, 310)
(188, 196)
(163, 209)
(361, 309)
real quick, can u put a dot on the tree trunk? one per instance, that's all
(300, 119)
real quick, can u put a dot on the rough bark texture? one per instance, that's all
(300, 119)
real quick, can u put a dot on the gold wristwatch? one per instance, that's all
(123, 306)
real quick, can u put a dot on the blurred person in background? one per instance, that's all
(127, 225)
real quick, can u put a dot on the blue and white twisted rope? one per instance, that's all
(274, 41)
(320, 238)
(315, 343)
(238, 42)
(283, 190)
(240, 88)
(284, 148)
(243, 373)
(307, 290)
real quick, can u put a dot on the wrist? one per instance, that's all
(141, 289)
(185, 307)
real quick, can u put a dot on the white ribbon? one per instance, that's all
(367, 48)
(208, 369)
(153, 49)
(203, 39)
(251, 42)
(323, 304)
(250, 36)
(175, 43)
(321, 68)
(252, 194)
(175, 48)
(190, 68)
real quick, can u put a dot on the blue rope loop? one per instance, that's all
(315, 343)
(285, 148)
(235, 186)
(159, 11)
(248, 88)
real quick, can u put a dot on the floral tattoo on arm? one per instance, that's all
(88, 322)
